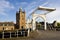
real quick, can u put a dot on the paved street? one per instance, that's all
(48, 35)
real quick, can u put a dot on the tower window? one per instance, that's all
(22, 27)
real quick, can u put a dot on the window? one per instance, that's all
(5, 24)
(22, 18)
(10, 25)
(22, 27)
(1, 24)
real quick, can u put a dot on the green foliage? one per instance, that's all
(58, 24)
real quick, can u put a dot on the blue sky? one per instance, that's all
(8, 8)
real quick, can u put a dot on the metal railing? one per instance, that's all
(17, 33)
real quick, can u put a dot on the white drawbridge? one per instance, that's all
(43, 16)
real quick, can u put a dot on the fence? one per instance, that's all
(17, 33)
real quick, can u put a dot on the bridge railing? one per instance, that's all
(15, 33)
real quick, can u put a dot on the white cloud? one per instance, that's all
(5, 5)
(34, 4)
(55, 15)
(21, 4)
(44, 4)
(29, 8)
(31, 5)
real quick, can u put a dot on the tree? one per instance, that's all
(58, 24)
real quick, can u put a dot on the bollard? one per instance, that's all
(3, 35)
(21, 32)
(28, 32)
(17, 33)
(10, 34)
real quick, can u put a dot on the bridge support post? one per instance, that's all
(45, 27)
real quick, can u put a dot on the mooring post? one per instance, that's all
(21, 32)
(28, 32)
(3, 35)
(17, 33)
(10, 34)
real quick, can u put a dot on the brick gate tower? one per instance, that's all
(20, 19)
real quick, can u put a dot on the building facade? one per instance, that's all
(6, 26)
(20, 19)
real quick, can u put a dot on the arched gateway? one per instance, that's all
(43, 16)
